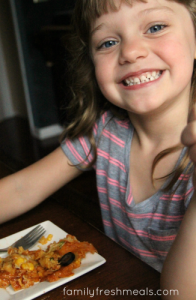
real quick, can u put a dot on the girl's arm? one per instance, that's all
(25, 189)
(179, 270)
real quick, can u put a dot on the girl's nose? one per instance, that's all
(133, 50)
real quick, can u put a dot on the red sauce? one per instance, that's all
(21, 278)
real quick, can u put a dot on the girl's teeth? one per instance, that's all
(144, 78)
(136, 80)
(148, 75)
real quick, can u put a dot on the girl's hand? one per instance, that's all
(188, 138)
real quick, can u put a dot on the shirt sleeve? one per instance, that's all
(79, 151)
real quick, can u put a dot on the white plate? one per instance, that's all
(90, 262)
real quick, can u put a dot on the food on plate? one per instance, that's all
(44, 240)
(22, 268)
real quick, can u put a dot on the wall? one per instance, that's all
(12, 100)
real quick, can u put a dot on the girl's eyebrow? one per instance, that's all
(156, 9)
(96, 29)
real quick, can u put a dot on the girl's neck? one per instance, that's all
(160, 130)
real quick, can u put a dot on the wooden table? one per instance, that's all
(75, 209)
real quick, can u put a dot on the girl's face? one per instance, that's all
(143, 55)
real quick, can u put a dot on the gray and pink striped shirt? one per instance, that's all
(147, 229)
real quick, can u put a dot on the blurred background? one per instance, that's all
(33, 62)
(33, 87)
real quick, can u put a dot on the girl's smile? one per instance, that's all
(140, 79)
(143, 54)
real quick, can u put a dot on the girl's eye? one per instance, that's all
(156, 28)
(107, 44)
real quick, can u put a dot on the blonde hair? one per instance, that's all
(87, 103)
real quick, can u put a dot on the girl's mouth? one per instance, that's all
(143, 78)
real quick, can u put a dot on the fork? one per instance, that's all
(29, 239)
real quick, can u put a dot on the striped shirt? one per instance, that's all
(147, 229)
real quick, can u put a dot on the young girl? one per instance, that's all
(133, 84)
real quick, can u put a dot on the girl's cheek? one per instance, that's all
(100, 71)
(173, 52)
